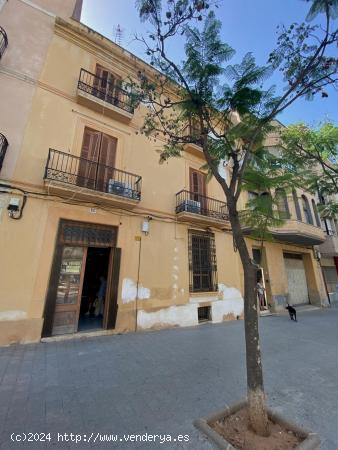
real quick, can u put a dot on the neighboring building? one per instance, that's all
(105, 237)
(290, 266)
(329, 255)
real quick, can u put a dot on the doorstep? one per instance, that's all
(300, 308)
(265, 313)
(79, 335)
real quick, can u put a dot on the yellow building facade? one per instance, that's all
(94, 233)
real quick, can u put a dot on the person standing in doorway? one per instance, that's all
(101, 294)
(260, 292)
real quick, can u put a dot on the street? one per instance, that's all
(157, 383)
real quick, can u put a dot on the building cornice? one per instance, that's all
(101, 46)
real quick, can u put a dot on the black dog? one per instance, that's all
(292, 312)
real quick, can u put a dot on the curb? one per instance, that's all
(311, 440)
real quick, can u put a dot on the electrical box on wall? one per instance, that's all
(145, 227)
(13, 204)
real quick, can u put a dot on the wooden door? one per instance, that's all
(106, 162)
(90, 153)
(198, 188)
(69, 290)
(111, 305)
(65, 284)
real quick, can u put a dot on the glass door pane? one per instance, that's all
(69, 289)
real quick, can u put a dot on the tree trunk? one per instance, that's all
(256, 396)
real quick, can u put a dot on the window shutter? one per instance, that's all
(107, 162)
(90, 153)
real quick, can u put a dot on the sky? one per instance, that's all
(247, 25)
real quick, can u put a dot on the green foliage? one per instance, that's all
(226, 108)
(329, 7)
(312, 155)
(267, 180)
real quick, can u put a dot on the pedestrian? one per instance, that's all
(261, 297)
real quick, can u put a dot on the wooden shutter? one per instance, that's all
(197, 182)
(113, 283)
(101, 81)
(107, 161)
(107, 84)
(198, 187)
(90, 152)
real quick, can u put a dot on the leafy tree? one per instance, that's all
(227, 111)
(312, 155)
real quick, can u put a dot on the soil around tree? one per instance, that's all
(236, 430)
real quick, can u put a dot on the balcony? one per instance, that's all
(3, 41)
(192, 207)
(330, 246)
(104, 97)
(3, 148)
(296, 232)
(81, 179)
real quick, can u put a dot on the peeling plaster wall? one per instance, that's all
(12, 315)
(129, 291)
(183, 316)
(229, 306)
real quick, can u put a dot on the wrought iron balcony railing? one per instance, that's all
(3, 148)
(3, 41)
(105, 90)
(82, 172)
(192, 202)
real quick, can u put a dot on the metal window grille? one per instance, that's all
(3, 148)
(202, 262)
(87, 234)
(3, 41)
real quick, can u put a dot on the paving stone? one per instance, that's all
(159, 382)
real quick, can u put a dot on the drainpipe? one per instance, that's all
(138, 238)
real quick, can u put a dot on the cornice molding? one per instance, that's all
(100, 46)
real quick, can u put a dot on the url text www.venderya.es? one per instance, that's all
(93, 438)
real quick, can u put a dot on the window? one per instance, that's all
(202, 262)
(296, 202)
(108, 85)
(315, 210)
(194, 127)
(282, 204)
(257, 255)
(3, 148)
(97, 160)
(307, 210)
(252, 196)
(198, 190)
(266, 203)
(204, 313)
(3, 40)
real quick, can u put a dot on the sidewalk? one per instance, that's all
(159, 382)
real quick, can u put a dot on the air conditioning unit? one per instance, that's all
(191, 206)
(116, 187)
(128, 190)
